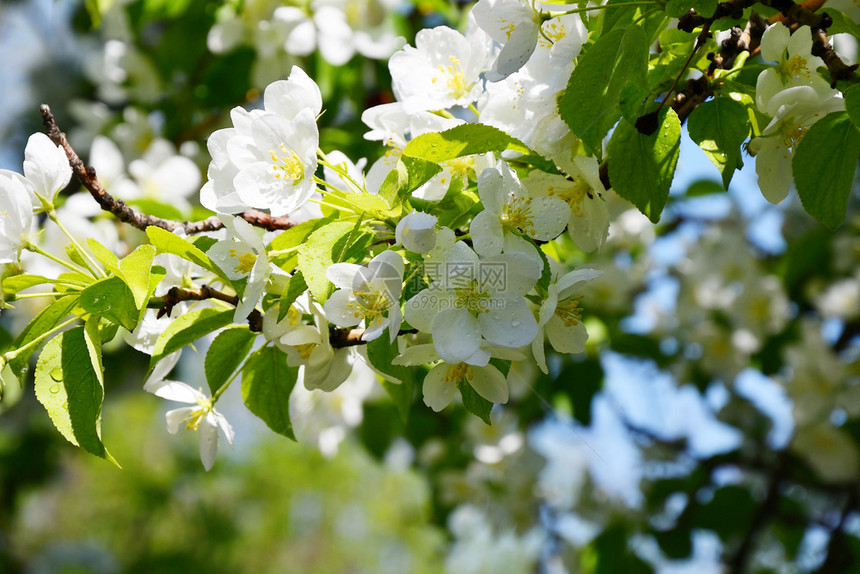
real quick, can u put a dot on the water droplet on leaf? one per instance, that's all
(57, 374)
(54, 389)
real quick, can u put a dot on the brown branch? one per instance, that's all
(87, 176)
(175, 295)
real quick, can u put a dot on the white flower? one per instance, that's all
(445, 378)
(268, 159)
(588, 224)
(417, 232)
(473, 301)
(46, 166)
(16, 215)
(441, 71)
(349, 26)
(561, 316)
(508, 209)
(202, 417)
(391, 124)
(370, 294)
(795, 64)
(794, 110)
(243, 256)
(515, 25)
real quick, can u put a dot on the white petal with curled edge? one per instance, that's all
(774, 42)
(438, 391)
(342, 274)
(288, 97)
(488, 236)
(549, 217)
(538, 351)
(254, 290)
(490, 383)
(510, 322)
(566, 339)
(578, 275)
(176, 417)
(491, 190)
(207, 439)
(521, 272)
(46, 165)
(340, 309)
(425, 305)
(456, 335)
(395, 318)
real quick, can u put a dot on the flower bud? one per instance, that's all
(417, 232)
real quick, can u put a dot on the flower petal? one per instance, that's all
(438, 390)
(490, 383)
(456, 335)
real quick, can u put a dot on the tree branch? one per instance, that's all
(87, 176)
(175, 295)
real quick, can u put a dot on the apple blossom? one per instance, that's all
(202, 417)
(370, 294)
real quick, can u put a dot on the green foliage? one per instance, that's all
(47, 319)
(267, 381)
(112, 299)
(332, 243)
(226, 353)
(295, 287)
(719, 127)
(473, 402)
(166, 242)
(187, 328)
(645, 164)
(381, 353)
(590, 105)
(824, 166)
(69, 385)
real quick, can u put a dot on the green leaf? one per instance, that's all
(112, 299)
(104, 256)
(641, 167)
(226, 353)
(705, 8)
(462, 140)
(291, 239)
(380, 353)
(590, 105)
(852, 104)
(719, 127)
(47, 319)
(323, 247)
(166, 242)
(842, 23)
(267, 381)
(295, 287)
(824, 165)
(187, 328)
(69, 385)
(677, 8)
(17, 283)
(408, 174)
(136, 268)
(475, 403)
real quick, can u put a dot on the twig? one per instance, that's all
(87, 176)
(175, 295)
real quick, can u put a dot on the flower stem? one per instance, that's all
(92, 264)
(10, 355)
(36, 249)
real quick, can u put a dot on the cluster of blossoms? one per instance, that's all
(794, 97)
